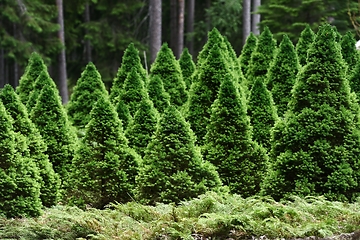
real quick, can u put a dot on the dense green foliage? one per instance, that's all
(157, 94)
(173, 169)
(87, 91)
(282, 74)
(104, 167)
(49, 182)
(168, 69)
(123, 113)
(348, 51)
(187, 67)
(306, 38)
(247, 50)
(316, 146)
(354, 79)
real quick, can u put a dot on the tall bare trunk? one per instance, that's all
(173, 25)
(62, 57)
(190, 25)
(256, 17)
(87, 41)
(246, 19)
(155, 28)
(180, 33)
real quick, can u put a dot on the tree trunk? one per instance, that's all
(154, 28)
(88, 57)
(190, 25)
(180, 37)
(173, 25)
(246, 19)
(256, 17)
(62, 57)
(2, 68)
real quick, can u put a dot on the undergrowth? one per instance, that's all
(209, 215)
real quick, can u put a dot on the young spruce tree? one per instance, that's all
(157, 94)
(87, 91)
(240, 162)
(124, 114)
(20, 190)
(104, 167)
(187, 66)
(282, 74)
(247, 50)
(307, 37)
(49, 182)
(173, 169)
(316, 147)
(349, 52)
(168, 69)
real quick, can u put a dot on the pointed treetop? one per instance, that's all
(307, 37)
(349, 52)
(214, 37)
(247, 50)
(157, 94)
(187, 66)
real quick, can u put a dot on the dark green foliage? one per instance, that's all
(143, 126)
(104, 167)
(316, 147)
(49, 182)
(173, 169)
(282, 74)
(187, 66)
(262, 113)
(130, 61)
(87, 91)
(204, 91)
(307, 37)
(26, 83)
(133, 92)
(247, 50)
(123, 113)
(354, 79)
(51, 120)
(262, 57)
(42, 80)
(157, 94)
(168, 69)
(240, 161)
(349, 52)
(233, 62)
(20, 191)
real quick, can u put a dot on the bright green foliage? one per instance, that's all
(262, 113)
(49, 182)
(247, 50)
(349, 52)
(204, 91)
(27, 81)
(173, 169)
(104, 167)
(354, 80)
(240, 161)
(87, 91)
(262, 57)
(157, 94)
(51, 120)
(133, 92)
(130, 61)
(233, 62)
(316, 147)
(168, 69)
(20, 191)
(42, 80)
(307, 37)
(123, 113)
(187, 66)
(143, 126)
(282, 74)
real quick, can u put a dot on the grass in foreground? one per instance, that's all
(210, 215)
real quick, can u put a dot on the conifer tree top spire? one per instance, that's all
(307, 37)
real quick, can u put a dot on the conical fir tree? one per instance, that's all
(247, 50)
(240, 161)
(187, 66)
(307, 37)
(123, 113)
(87, 91)
(262, 57)
(262, 113)
(157, 94)
(26, 83)
(316, 147)
(204, 92)
(143, 127)
(20, 190)
(130, 61)
(282, 74)
(173, 169)
(50, 182)
(349, 52)
(51, 120)
(168, 69)
(104, 166)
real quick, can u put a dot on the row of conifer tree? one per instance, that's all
(278, 120)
